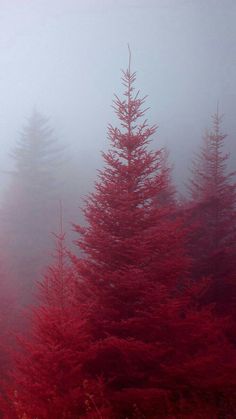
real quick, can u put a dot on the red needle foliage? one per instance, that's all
(154, 348)
(122, 334)
(213, 214)
(47, 378)
(213, 196)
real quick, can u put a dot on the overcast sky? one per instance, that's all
(65, 57)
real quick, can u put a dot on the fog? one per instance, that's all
(64, 60)
(124, 304)
(64, 57)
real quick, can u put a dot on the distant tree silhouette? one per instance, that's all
(29, 207)
(213, 207)
(212, 216)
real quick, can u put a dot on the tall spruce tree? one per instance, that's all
(46, 380)
(149, 341)
(212, 214)
(30, 202)
(213, 202)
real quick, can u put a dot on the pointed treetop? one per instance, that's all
(217, 120)
(129, 67)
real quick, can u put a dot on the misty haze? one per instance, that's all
(118, 209)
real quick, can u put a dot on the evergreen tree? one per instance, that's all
(28, 211)
(46, 381)
(150, 343)
(213, 207)
(212, 215)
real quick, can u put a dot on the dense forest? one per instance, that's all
(134, 314)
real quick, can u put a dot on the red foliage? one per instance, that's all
(213, 208)
(153, 347)
(122, 334)
(213, 217)
(47, 377)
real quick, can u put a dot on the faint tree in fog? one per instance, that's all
(29, 209)
(213, 206)
(212, 216)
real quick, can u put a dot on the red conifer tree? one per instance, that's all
(213, 216)
(47, 381)
(148, 341)
(213, 207)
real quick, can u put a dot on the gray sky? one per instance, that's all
(65, 56)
